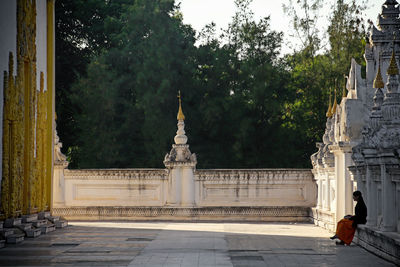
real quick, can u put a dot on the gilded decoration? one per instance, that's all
(41, 152)
(378, 81)
(26, 56)
(50, 100)
(13, 143)
(25, 177)
(38, 197)
(393, 69)
(180, 115)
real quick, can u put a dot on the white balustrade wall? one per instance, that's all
(131, 194)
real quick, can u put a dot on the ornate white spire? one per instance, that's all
(180, 153)
(180, 137)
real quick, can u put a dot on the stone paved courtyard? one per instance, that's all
(186, 244)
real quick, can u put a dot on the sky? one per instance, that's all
(198, 13)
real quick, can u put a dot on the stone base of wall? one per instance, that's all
(324, 219)
(264, 214)
(383, 244)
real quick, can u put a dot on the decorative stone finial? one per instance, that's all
(180, 137)
(180, 115)
(180, 154)
(378, 82)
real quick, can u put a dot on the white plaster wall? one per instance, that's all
(110, 187)
(41, 41)
(214, 188)
(276, 187)
(8, 43)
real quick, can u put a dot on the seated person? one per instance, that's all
(347, 227)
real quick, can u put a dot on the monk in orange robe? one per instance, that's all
(347, 226)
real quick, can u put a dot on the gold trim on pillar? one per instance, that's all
(13, 146)
(19, 117)
(50, 101)
(26, 55)
(40, 188)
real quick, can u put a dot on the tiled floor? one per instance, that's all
(186, 244)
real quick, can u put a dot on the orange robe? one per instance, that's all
(345, 231)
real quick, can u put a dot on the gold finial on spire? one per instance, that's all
(334, 104)
(329, 112)
(393, 69)
(180, 113)
(378, 82)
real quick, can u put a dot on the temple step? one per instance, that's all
(39, 223)
(61, 224)
(34, 232)
(24, 226)
(6, 232)
(43, 215)
(15, 238)
(53, 219)
(47, 228)
(29, 218)
(8, 223)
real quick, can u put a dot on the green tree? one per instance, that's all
(346, 36)
(246, 107)
(316, 72)
(128, 99)
(83, 29)
(243, 85)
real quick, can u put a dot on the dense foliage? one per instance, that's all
(121, 63)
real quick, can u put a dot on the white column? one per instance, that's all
(372, 193)
(344, 185)
(340, 187)
(174, 186)
(361, 185)
(347, 161)
(60, 165)
(187, 189)
(58, 185)
(388, 199)
(327, 192)
(320, 198)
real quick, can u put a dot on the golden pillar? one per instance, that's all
(13, 144)
(19, 178)
(40, 188)
(26, 55)
(50, 101)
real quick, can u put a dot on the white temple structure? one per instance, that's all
(361, 144)
(181, 164)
